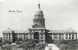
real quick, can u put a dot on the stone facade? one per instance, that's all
(39, 32)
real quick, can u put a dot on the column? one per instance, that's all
(58, 37)
(39, 36)
(71, 36)
(75, 36)
(24, 36)
(52, 36)
(29, 36)
(68, 36)
(11, 37)
(44, 38)
(32, 36)
(64, 36)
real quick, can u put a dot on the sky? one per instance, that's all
(59, 14)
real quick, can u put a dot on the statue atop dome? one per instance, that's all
(39, 5)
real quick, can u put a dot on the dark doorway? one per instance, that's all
(14, 36)
(36, 35)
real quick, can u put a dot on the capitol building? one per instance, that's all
(39, 32)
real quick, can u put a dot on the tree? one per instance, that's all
(68, 44)
(6, 47)
(27, 44)
(30, 43)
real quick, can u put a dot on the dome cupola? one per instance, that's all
(39, 12)
(39, 20)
